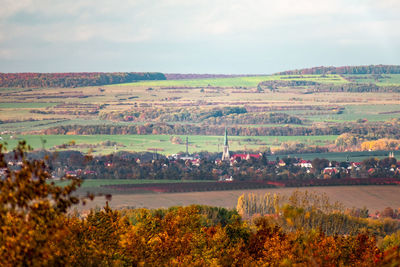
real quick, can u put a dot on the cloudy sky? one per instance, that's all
(196, 36)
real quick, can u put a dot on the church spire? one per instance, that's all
(225, 153)
(226, 137)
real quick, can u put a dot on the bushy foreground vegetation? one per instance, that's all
(35, 229)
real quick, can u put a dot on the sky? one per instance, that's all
(196, 36)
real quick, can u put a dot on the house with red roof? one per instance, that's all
(305, 164)
(238, 157)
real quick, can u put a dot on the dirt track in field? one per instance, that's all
(373, 197)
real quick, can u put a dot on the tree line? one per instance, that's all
(371, 69)
(329, 87)
(227, 115)
(369, 130)
(310, 210)
(354, 88)
(76, 79)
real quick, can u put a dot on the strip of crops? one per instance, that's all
(242, 185)
(191, 187)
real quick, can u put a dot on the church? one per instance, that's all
(225, 152)
(227, 157)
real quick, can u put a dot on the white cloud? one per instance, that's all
(136, 21)
(6, 53)
(238, 24)
(10, 7)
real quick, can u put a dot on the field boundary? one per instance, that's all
(242, 185)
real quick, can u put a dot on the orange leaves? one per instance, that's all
(32, 213)
(381, 144)
(34, 230)
(269, 245)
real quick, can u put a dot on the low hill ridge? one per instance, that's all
(366, 69)
(74, 79)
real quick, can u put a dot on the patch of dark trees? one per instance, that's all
(77, 79)
(370, 130)
(354, 87)
(281, 83)
(225, 115)
(329, 87)
(370, 69)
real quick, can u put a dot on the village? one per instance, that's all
(223, 167)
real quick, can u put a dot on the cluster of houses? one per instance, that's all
(235, 159)
(80, 172)
(193, 160)
(332, 169)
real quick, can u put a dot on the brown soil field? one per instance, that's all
(373, 197)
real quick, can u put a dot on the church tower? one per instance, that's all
(225, 153)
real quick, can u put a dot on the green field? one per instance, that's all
(162, 143)
(250, 81)
(116, 102)
(27, 105)
(355, 112)
(44, 124)
(388, 79)
(30, 125)
(91, 183)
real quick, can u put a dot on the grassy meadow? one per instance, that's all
(250, 81)
(96, 183)
(161, 143)
(383, 80)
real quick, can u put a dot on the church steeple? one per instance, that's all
(225, 153)
(226, 137)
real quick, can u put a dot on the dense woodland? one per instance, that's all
(312, 86)
(371, 69)
(78, 79)
(225, 115)
(36, 229)
(354, 88)
(369, 130)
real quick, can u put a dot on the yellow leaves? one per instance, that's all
(32, 214)
(381, 144)
(154, 241)
(290, 221)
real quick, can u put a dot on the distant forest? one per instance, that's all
(371, 130)
(78, 79)
(371, 69)
(328, 87)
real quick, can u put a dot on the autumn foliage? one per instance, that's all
(36, 230)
